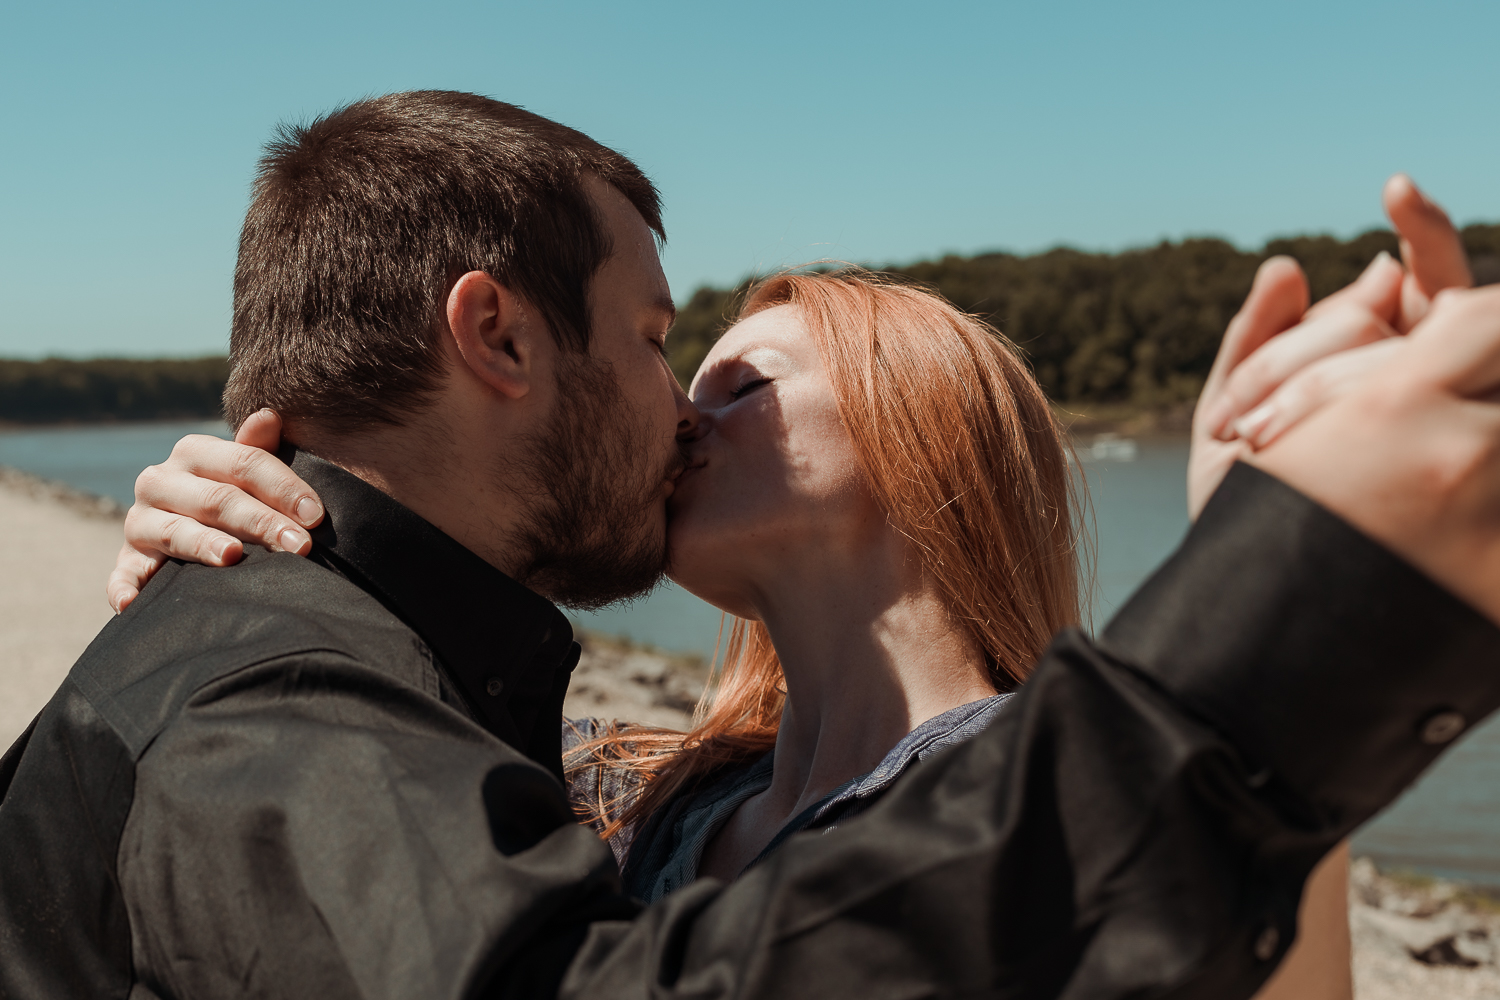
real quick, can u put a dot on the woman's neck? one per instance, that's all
(862, 669)
(869, 653)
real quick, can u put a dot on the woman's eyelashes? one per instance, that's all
(749, 385)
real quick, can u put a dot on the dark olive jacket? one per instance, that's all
(339, 777)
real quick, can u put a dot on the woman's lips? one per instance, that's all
(677, 483)
(674, 474)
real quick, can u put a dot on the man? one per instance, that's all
(340, 776)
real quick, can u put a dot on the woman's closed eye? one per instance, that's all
(749, 386)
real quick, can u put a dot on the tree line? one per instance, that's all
(1138, 327)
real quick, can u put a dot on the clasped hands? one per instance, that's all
(1381, 402)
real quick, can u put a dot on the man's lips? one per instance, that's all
(676, 480)
(675, 473)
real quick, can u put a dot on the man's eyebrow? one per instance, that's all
(667, 306)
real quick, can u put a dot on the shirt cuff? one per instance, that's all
(1335, 668)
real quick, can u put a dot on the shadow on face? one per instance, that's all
(773, 483)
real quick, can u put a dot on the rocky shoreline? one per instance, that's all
(88, 505)
(617, 679)
(1416, 936)
(1083, 420)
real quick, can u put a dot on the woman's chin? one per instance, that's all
(705, 579)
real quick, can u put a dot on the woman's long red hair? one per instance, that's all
(962, 451)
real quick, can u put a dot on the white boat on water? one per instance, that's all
(1111, 448)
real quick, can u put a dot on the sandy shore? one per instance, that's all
(59, 549)
(1412, 938)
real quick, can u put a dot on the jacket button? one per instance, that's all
(494, 686)
(1266, 942)
(1441, 727)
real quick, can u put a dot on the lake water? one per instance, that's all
(1447, 824)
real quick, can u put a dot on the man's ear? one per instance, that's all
(497, 333)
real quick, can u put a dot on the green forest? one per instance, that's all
(1139, 327)
(1135, 329)
(62, 391)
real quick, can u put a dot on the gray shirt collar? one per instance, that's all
(712, 807)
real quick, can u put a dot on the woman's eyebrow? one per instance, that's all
(755, 353)
(749, 355)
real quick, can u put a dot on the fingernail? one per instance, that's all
(1253, 423)
(220, 547)
(290, 539)
(1375, 266)
(309, 510)
(1214, 420)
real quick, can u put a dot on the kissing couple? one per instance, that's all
(343, 775)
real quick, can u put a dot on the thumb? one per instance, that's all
(262, 429)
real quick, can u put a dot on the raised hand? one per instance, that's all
(1411, 454)
(207, 499)
(1279, 360)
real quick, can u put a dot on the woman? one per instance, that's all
(879, 493)
(863, 555)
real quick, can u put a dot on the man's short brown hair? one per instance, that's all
(361, 222)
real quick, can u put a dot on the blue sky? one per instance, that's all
(778, 132)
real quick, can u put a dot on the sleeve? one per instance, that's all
(1142, 817)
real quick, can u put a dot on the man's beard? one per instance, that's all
(589, 501)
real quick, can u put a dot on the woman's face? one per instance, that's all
(773, 486)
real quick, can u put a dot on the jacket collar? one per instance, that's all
(508, 650)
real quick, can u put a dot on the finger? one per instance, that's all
(1458, 344)
(1277, 301)
(255, 471)
(1430, 245)
(1377, 289)
(223, 507)
(1258, 376)
(262, 429)
(133, 570)
(1312, 388)
(1414, 304)
(178, 537)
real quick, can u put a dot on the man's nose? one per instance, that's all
(689, 418)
